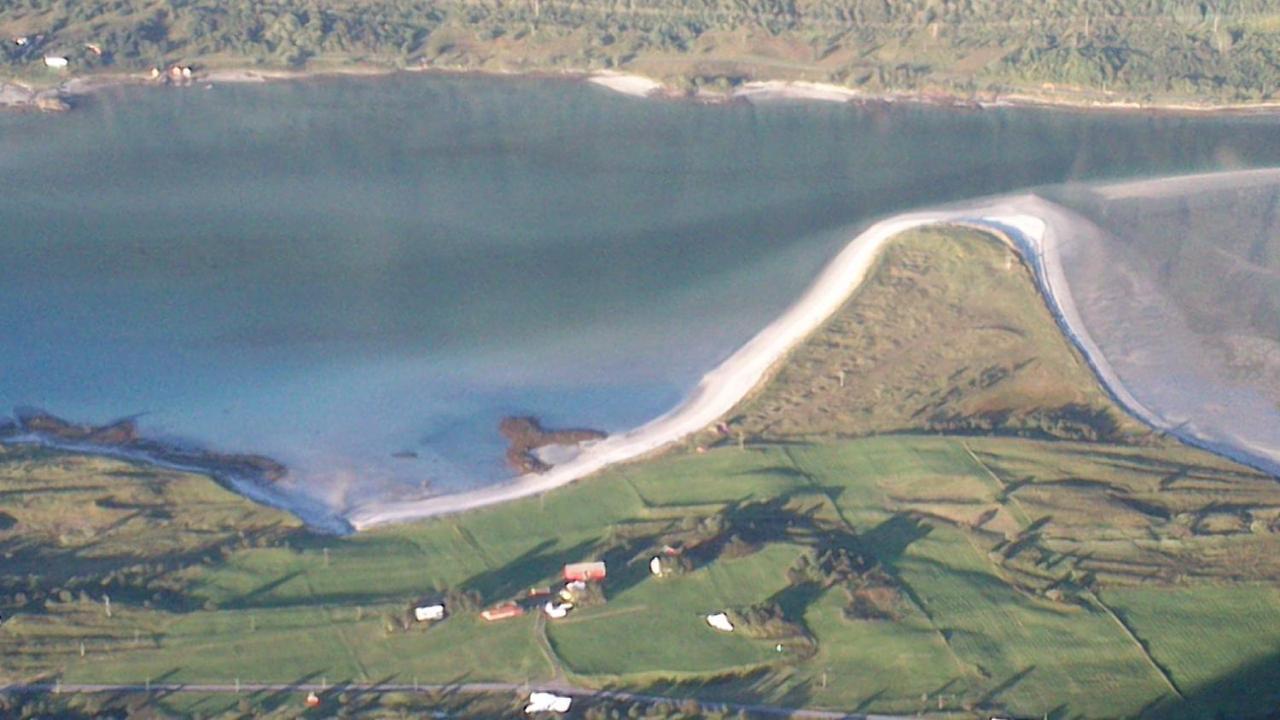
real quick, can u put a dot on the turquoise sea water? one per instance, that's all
(330, 272)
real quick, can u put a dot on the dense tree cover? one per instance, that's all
(1224, 50)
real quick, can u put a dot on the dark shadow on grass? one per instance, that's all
(891, 538)
(247, 599)
(533, 567)
(1252, 691)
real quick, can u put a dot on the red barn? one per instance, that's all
(585, 571)
(502, 612)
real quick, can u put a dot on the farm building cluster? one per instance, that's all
(581, 585)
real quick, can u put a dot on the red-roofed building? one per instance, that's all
(585, 571)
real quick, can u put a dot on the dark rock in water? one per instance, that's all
(525, 434)
(7, 521)
(122, 432)
(405, 455)
(255, 466)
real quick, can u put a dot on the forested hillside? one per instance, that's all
(1223, 51)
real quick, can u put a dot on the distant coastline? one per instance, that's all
(60, 97)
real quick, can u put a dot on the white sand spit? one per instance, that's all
(717, 393)
(634, 85)
(1037, 229)
(797, 90)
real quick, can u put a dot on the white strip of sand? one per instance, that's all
(794, 90)
(634, 85)
(1031, 225)
(717, 393)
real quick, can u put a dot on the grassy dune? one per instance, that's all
(1010, 571)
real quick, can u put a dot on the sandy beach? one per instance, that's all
(722, 388)
(18, 96)
(1033, 226)
(633, 85)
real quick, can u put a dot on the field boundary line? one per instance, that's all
(471, 541)
(1004, 490)
(1128, 631)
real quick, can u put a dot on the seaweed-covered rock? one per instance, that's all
(525, 434)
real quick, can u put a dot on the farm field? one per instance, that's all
(1037, 566)
(970, 627)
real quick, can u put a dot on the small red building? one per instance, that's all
(502, 612)
(585, 571)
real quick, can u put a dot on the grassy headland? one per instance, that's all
(948, 335)
(1074, 51)
(1011, 571)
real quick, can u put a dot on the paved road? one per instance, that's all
(463, 687)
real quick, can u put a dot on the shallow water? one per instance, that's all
(331, 272)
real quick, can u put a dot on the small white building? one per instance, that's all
(555, 610)
(547, 702)
(56, 62)
(720, 621)
(429, 613)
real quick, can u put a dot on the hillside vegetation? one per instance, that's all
(1012, 572)
(1220, 50)
(949, 334)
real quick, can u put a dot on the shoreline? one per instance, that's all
(20, 96)
(717, 393)
(251, 476)
(1031, 225)
(1028, 223)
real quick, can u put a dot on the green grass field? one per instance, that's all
(1008, 575)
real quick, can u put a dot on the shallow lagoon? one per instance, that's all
(335, 271)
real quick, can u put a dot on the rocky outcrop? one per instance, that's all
(525, 434)
(123, 435)
(38, 422)
(18, 97)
